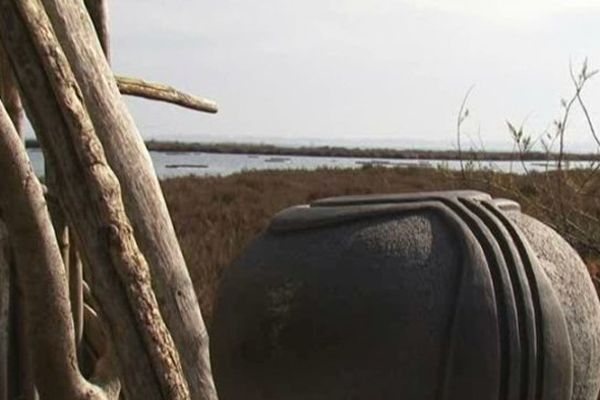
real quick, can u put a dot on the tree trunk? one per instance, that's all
(91, 198)
(142, 195)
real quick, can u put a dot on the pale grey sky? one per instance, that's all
(364, 71)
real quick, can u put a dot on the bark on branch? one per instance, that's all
(157, 91)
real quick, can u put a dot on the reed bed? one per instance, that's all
(216, 217)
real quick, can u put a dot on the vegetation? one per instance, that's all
(215, 217)
(331, 151)
(96, 300)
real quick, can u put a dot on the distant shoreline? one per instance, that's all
(333, 151)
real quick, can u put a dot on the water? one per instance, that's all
(169, 165)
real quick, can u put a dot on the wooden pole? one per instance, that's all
(19, 374)
(49, 329)
(98, 11)
(5, 270)
(76, 291)
(9, 93)
(56, 212)
(91, 194)
(4, 311)
(142, 195)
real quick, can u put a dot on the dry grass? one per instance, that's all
(216, 217)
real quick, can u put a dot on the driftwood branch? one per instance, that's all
(9, 92)
(4, 311)
(70, 98)
(52, 339)
(19, 373)
(160, 92)
(76, 292)
(105, 368)
(98, 10)
(92, 197)
(141, 193)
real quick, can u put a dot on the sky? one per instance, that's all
(358, 72)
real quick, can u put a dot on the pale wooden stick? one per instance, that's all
(160, 92)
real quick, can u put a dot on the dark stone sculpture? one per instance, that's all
(445, 296)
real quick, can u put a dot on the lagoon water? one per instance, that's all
(173, 164)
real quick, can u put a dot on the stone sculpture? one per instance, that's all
(442, 295)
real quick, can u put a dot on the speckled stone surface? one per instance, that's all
(442, 295)
(577, 295)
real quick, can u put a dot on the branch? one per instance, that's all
(105, 364)
(98, 10)
(141, 192)
(579, 87)
(157, 91)
(462, 116)
(49, 326)
(76, 291)
(91, 193)
(4, 311)
(9, 92)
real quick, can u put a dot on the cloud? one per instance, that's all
(509, 10)
(354, 67)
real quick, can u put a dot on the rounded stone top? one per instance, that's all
(438, 295)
